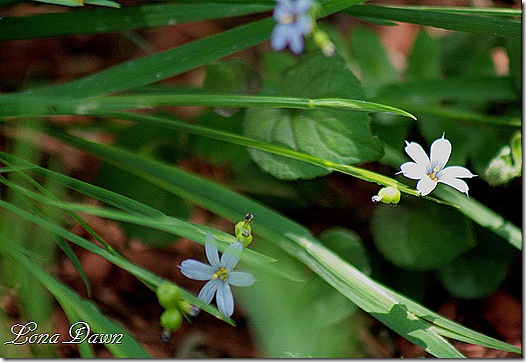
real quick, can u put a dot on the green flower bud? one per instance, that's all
(169, 295)
(171, 319)
(243, 230)
(322, 40)
(507, 164)
(387, 195)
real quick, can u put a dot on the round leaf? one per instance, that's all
(421, 237)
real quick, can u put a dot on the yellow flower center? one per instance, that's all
(222, 274)
(287, 19)
(433, 175)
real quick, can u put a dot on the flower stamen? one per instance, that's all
(433, 175)
(287, 18)
(221, 273)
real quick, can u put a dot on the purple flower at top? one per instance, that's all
(293, 23)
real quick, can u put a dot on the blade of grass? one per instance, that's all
(85, 310)
(98, 21)
(438, 19)
(29, 105)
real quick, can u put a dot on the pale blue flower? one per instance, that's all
(219, 273)
(430, 172)
(293, 23)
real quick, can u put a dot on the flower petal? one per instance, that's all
(225, 299)
(211, 251)
(413, 170)
(240, 279)
(296, 42)
(417, 153)
(196, 270)
(455, 183)
(440, 152)
(303, 25)
(303, 5)
(455, 171)
(230, 257)
(278, 39)
(425, 186)
(207, 293)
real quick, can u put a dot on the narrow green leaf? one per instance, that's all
(85, 310)
(29, 105)
(96, 21)
(459, 22)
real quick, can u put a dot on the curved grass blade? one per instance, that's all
(29, 105)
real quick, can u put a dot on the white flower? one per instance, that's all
(219, 273)
(430, 172)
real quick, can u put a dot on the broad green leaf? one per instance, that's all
(473, 276)
(423, 61)
(420, 237)
(372, 58)
(312, 324)
(479, 272)
(231, 77)
(337, 136)
(459, 22)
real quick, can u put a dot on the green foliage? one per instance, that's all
(415, 236)
(280, 121)
(337, 136)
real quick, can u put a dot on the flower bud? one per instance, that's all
(169, 295)
(322, 40)
(171, 319)
(387, 195)
(243, 230)
(507, 164)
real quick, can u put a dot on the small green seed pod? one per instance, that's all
(171, 319)
(169, 295)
